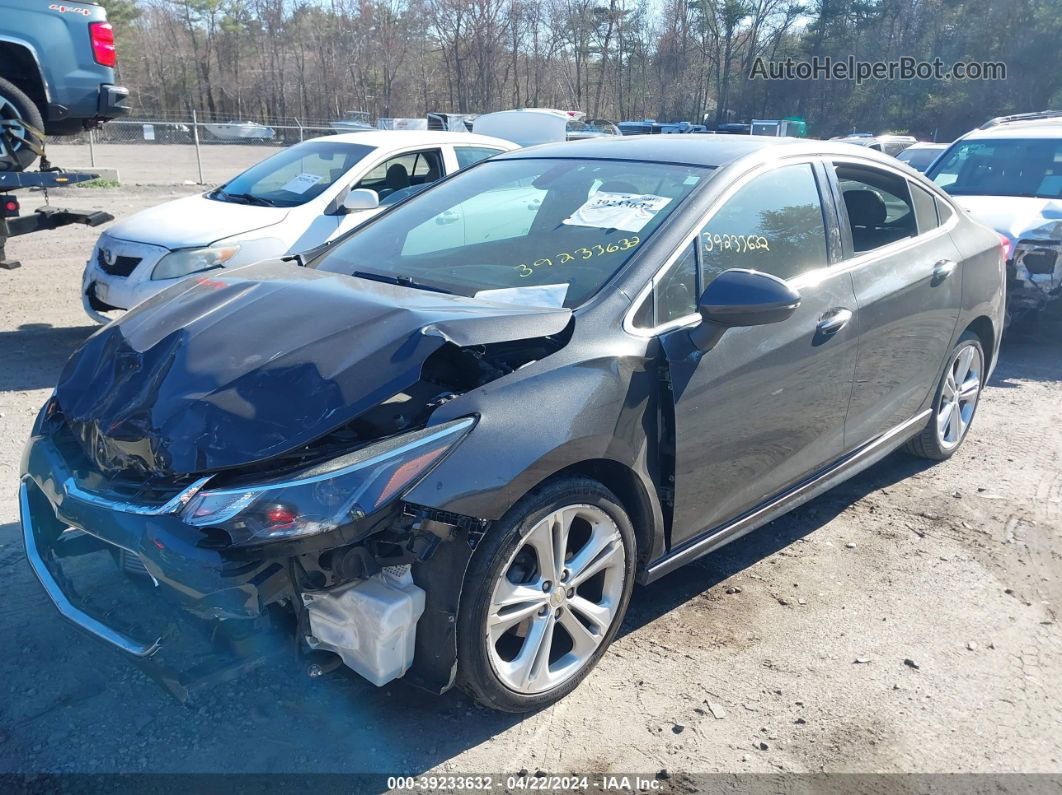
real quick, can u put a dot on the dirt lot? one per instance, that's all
(786, 651)
(138, 164)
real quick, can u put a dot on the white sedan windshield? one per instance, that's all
(293, 176)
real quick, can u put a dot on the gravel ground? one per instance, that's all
(138, 164)
(787, 651)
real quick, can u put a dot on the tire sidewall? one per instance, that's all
(475, 671)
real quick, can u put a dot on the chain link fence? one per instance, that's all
(175, 149)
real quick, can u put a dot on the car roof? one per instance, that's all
(695, 149)
(398, 139)
(1030, 128)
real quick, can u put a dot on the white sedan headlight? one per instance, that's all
(192, 260)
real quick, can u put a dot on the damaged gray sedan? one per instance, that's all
(446, 446)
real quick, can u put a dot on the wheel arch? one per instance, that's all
(985, 330)
(629, 489)
(19, 65)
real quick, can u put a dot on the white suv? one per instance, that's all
(1008, 175)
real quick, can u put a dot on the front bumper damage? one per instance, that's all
(311, 440)
(386, 603)
(1034, 275)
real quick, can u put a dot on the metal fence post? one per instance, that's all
(198, 156)
(300, 128)
(92, 148)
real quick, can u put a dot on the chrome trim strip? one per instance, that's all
(706, 543)
(65, 607)
(71, 489)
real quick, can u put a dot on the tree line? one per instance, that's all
(670, 60)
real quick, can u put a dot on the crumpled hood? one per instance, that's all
(227, 370)
(194, 221)
(1016, 217)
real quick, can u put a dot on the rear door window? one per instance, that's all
(878, 206)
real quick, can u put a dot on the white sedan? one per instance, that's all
(293, 201)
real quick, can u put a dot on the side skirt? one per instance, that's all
(824, 480)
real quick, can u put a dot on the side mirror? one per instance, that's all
(361, 199)
(739, 297)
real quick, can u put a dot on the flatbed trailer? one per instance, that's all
(13, 225)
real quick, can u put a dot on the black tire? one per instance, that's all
(928, 443)
(476, 674)
(14, 104)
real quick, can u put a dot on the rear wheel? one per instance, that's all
(955, 402)
(16, 141)
(545, 595)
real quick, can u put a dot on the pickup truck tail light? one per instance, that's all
(103, 49)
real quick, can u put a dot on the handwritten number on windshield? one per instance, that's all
(584, 253)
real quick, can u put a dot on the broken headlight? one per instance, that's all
(326, 496)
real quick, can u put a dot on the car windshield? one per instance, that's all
(293, 176)
(536, 231)
(1005, 167)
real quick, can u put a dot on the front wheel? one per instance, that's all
(955, 402)
(545, 595)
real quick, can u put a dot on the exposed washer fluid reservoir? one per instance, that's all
(371, 624)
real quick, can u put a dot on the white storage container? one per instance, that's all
(370, 623)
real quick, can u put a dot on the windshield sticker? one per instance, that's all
(547, 295)
(302, 183)
(584, 253)
(740, 244)
(627, 211)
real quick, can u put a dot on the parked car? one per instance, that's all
(451, 456)
(920, 155)
(1008, 175)
(580, 129)
(292, 201)
(231, 131)
(889, 144)
(56, 74)
(354, 121)
(454, 122)
(533, 126)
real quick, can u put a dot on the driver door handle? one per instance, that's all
(943, 269)
(834, 320)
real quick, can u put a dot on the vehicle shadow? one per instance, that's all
(652, 601)
(33, 355)
(277, 719)
(1022, 359)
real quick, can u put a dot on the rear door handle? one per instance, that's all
(833, 321)
(944, 268)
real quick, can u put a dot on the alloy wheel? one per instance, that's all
(958, 397)
(555, 599)
(13, 133)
